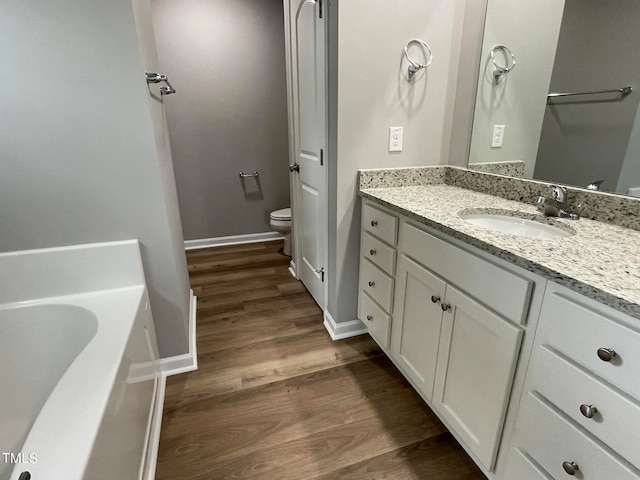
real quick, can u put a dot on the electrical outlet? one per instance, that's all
(395, 139)
(498, 136)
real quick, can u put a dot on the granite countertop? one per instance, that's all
(601, 260)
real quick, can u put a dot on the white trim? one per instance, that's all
(186, 362)
(154, 431)
(292, 270)
(232, 240)
(341, 330)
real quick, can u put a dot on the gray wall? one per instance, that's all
(78, 152)
(583, 142)
(369, 74)
(227, 61)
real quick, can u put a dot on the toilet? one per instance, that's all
(280, 221)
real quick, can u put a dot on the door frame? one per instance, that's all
(294, 182)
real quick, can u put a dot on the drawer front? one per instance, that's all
(568, 387)
(379, 253)
(381, 224)
(377, 284)
(551, 440)
(504, 292)
(521, 467)
(376, 319)
(577, 331)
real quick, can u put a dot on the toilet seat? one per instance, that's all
(282, 215)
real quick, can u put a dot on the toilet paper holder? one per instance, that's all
(246, 175)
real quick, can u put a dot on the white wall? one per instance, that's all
(368, 79)
(79, 156)
(530, 29)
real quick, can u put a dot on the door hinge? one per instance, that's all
(321, 157)
(319, 8)
(321, 273)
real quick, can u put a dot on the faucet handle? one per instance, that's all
(540, 203)
(559, 193)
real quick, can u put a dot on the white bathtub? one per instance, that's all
(78, 385)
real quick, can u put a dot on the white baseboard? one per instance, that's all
(232, 240)
(186, 362)
(341, 330)
(154, 431)
(292, 270)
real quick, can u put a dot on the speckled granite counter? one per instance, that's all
(601, 261)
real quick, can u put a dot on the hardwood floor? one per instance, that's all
(275, 398)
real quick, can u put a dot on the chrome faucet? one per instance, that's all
(557, 206)
(595, 185)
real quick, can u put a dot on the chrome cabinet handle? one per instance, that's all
(606, 354)
(372, 284)
(588, 410)
(570, 467)
(435, 298)
(445, 307)
(294, 168)
(374, 223)
(248, 175)
(369, 317)
(157, 78)
(372, 252)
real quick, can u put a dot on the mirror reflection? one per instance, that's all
(585, 48)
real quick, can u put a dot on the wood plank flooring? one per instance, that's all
(275, 398)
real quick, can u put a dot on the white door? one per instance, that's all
(308, 122)
(476, 364)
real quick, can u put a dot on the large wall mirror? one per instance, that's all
(561, 46)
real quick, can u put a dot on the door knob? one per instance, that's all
(570, 467)
(606, 354)
(372, 252)
(369, 317)
(435, 298)
(588, 410)
(294, 168)
(445, 307)
(374, 223)
(372, 284)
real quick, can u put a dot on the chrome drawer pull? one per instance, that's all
(370, 318)
(372, 284)
(588, 410)
(445, 307)
(606, 354)
(570, 467)
(372, 252)
(374, 223)
(435, 298)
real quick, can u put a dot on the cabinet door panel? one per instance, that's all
(476, 365)
(416, 324)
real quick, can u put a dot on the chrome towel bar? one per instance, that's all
(245, 175)
(157, 78)
(624, 91)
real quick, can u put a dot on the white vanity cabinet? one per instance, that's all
(377, 268)
(580, 411)
(459, 353)
(454, 324)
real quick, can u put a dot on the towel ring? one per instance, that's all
(499, 71)
(415, 67)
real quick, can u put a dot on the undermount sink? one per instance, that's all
(517, 223)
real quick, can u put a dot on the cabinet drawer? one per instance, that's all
(375, 318)
(504, 292)
(379, 253)
(575, 329)
(381, 224)
(521, 467)
(617, 418)
(551, 440)
(377, 284)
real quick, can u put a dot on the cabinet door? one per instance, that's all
(415, 330)
(476, 365)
